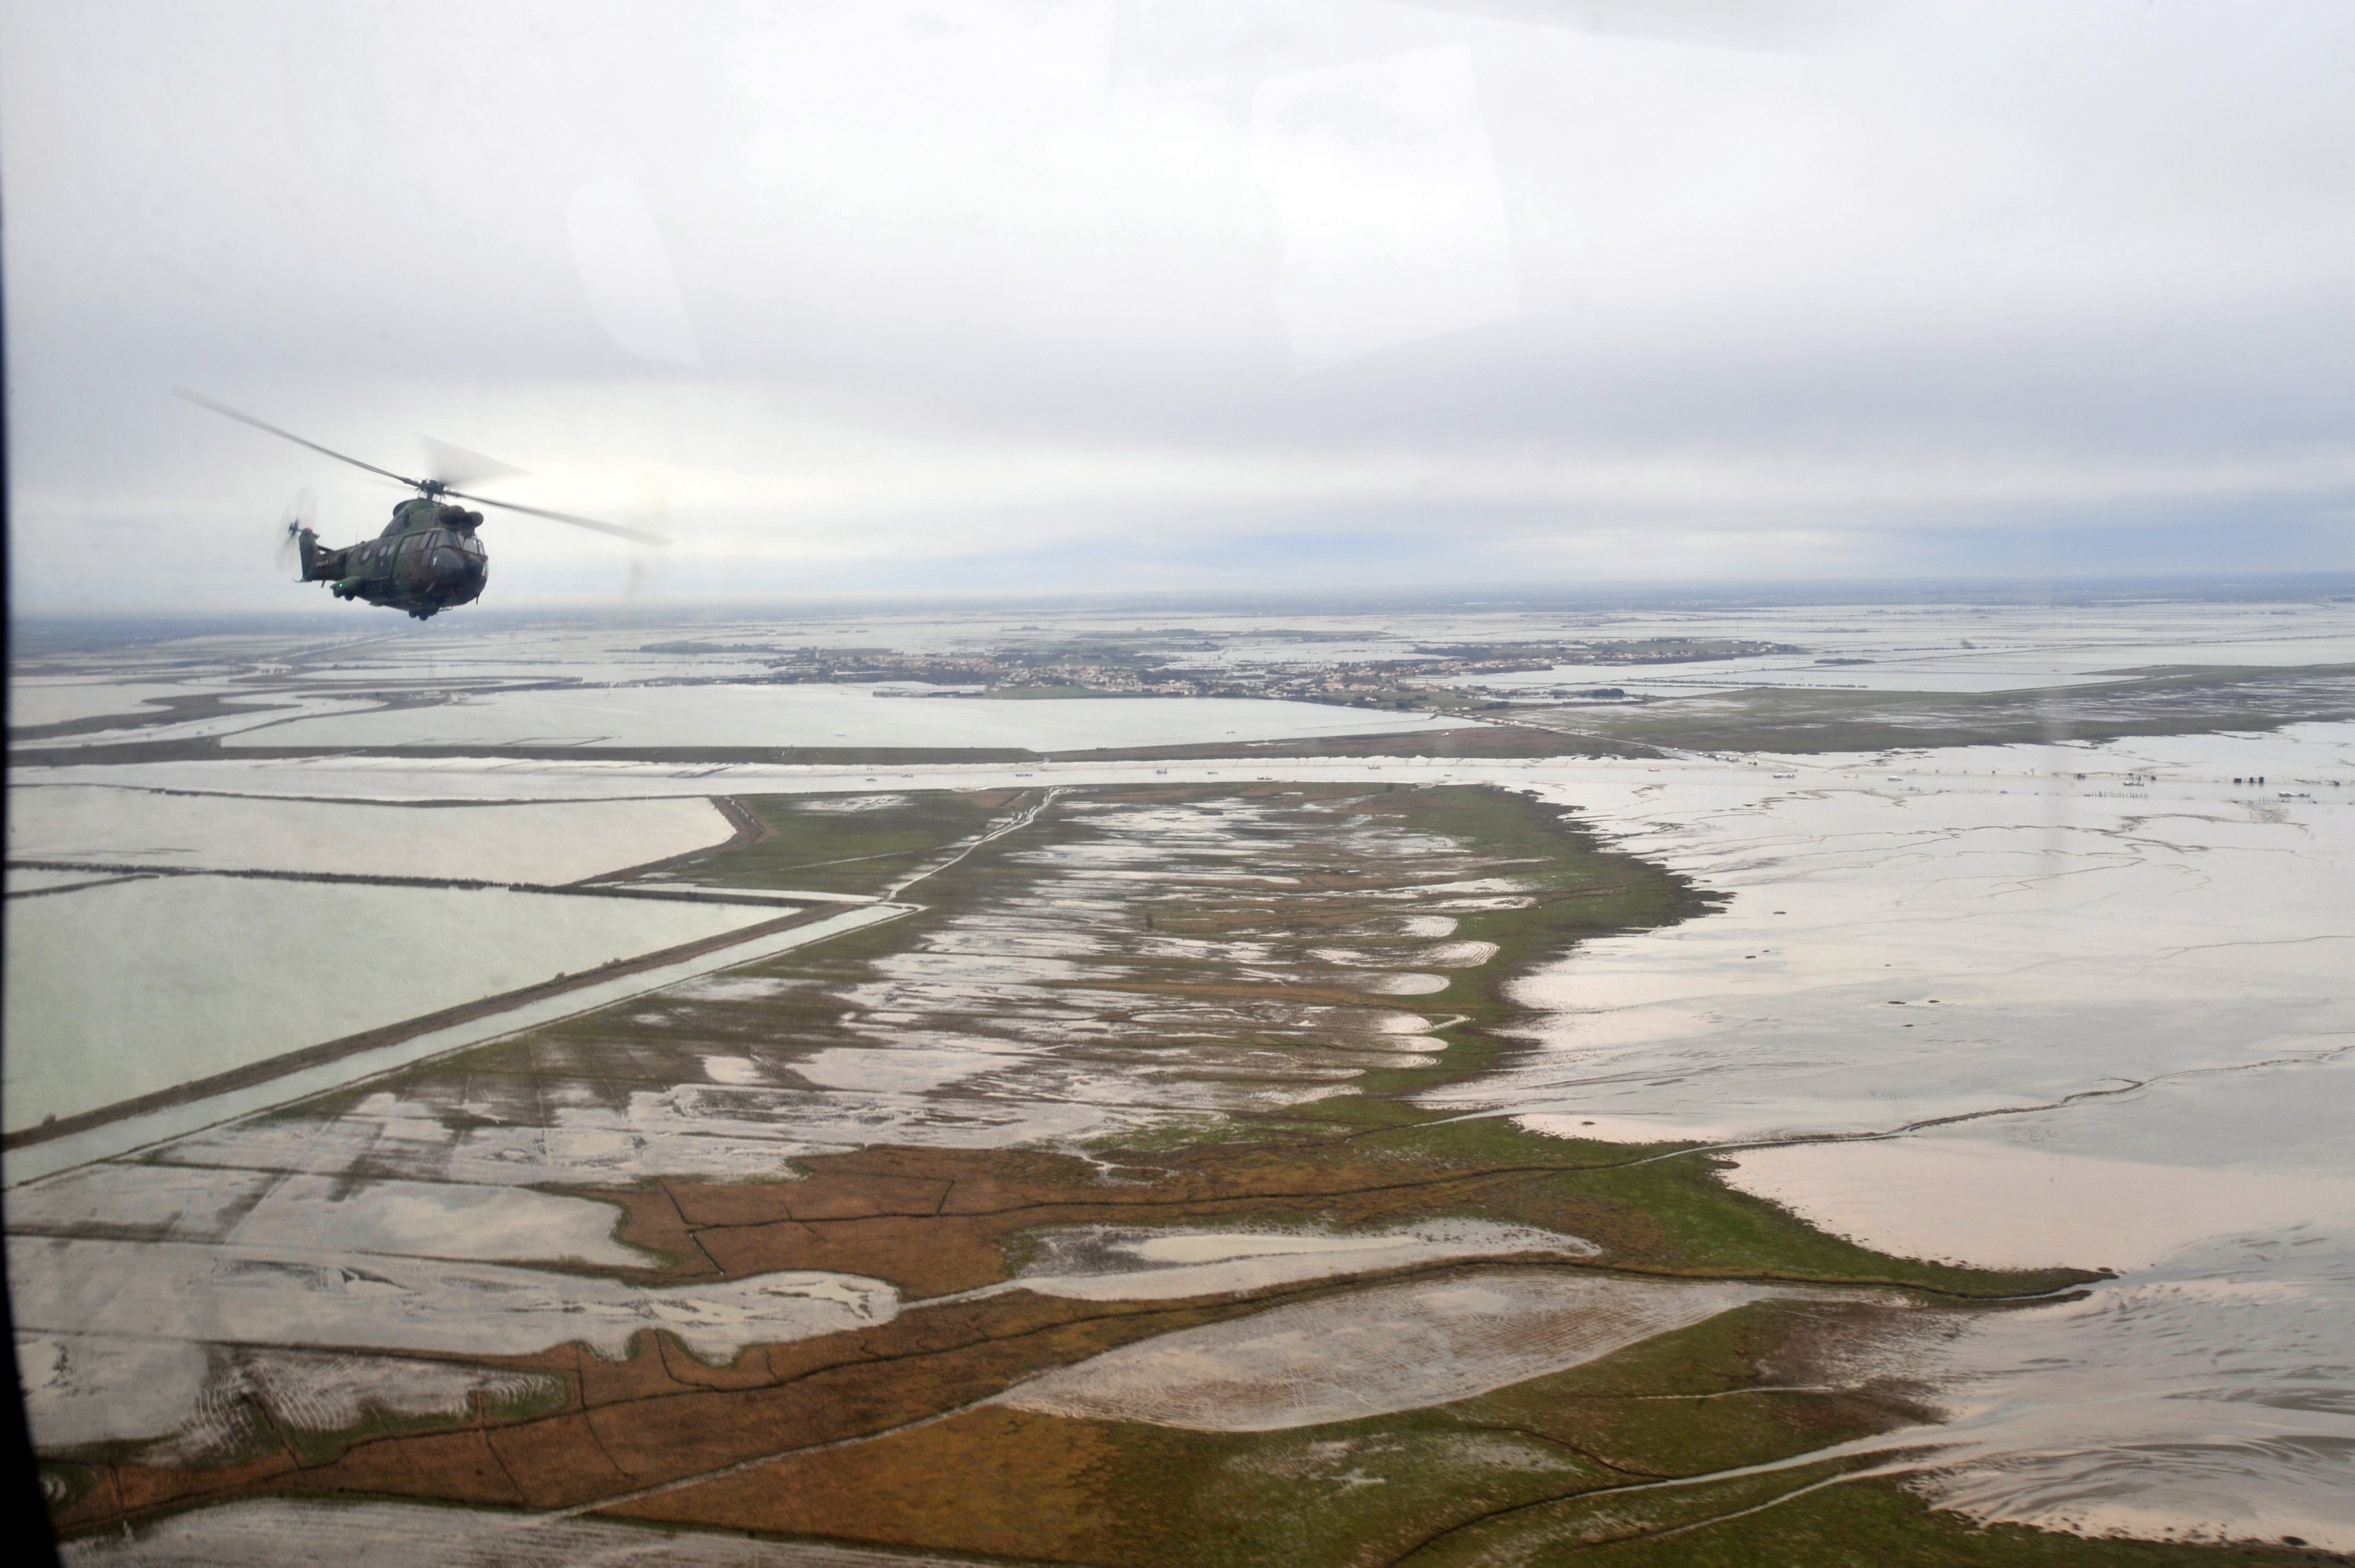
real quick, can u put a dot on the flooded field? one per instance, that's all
(1933, 1151)
(569, 842)
(128, 988)
(821, 715)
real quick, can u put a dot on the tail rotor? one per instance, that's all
(293, 526)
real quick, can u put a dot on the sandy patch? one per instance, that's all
(1100, 1262)
(1394, 1347)
(1996, 1205)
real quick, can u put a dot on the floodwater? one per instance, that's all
(2123, 1010)
(528, 842)
(2077, 1004)
(2157, 963)
(829, 716)
(1963, 648)
(134, 986)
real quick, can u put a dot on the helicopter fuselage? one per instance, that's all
(428, 559)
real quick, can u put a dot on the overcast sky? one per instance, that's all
(1200, 294)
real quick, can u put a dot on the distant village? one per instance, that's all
(1167, 665)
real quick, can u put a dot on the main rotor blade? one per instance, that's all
(224, 409)
(456, 465)
(616, 529)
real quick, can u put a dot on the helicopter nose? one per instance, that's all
(447, 566)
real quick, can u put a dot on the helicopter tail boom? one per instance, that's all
(319, 564)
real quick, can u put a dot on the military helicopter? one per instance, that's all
(428, 558)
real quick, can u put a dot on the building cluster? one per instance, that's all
(1396, 674)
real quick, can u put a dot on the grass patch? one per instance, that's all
(808, 841)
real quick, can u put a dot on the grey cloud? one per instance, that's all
(1029, 283)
